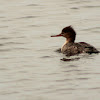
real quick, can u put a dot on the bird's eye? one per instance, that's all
(62, 33)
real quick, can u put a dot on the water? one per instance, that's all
(30, 69)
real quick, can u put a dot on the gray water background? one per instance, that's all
(30, 69)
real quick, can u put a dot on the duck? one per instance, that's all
(70, 47)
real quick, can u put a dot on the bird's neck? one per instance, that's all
(68, 40)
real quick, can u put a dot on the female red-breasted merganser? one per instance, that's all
(70, 47)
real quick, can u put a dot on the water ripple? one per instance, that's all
(82, 78)
(91, 6)
(74, 8)
(2, 17)
(4, 26)
(33, 26)
(5, 50)
(33, 5)
(27, 17)
(92, 28)
(13, 43)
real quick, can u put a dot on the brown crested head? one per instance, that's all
(69, 33)
(68, 30)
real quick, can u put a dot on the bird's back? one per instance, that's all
(76, 48)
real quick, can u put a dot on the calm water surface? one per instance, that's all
(30, 69)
